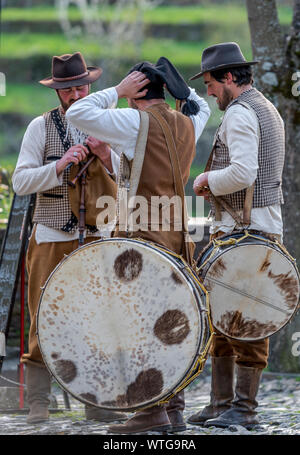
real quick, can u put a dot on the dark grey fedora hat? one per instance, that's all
(223, 55)
(70, 70)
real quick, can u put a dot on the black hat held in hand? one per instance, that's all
(165, 73)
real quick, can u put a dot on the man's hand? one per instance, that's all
(75, 154)
(131, 85)
(102, 150)
(200, 186)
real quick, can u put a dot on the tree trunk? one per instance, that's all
(276, 77)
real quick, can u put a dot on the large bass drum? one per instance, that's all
(123, 324)
(253, 284)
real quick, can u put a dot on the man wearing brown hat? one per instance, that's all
(50, 153)
(144, 89)
(248, 151)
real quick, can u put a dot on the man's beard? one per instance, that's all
(64, 105)
(225, 100)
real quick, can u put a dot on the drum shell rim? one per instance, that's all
(202, 338)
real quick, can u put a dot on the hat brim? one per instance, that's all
(219, 67)
(94, 74)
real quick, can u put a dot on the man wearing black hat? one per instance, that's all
(49, 146)
(96, 114)
(248, 151)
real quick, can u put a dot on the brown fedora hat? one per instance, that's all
(70, 70)
(219, 56)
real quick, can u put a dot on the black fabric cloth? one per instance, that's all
(162, 74)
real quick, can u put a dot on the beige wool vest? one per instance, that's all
(271, 151)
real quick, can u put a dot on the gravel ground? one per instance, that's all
(279, 412)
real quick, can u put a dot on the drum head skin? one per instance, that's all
(119, 325)
(254, 290)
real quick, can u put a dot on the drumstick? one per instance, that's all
(245, 294)
(82, 170)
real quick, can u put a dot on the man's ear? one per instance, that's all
(228, 78)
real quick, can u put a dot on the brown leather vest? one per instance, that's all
(157, 176)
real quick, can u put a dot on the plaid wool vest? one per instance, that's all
(268, 184)
(52, 207)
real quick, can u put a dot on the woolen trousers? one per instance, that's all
(248, 353)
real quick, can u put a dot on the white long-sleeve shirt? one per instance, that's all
(32, 176)
(240, 133)
(96, 115)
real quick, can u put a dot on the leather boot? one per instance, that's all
(38, 385)
(102, 415)
(150, 419)
(243, 407)
(221, 395)
(175, 409)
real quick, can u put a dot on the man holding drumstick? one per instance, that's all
(48, 149)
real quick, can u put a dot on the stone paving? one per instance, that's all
(279, 412)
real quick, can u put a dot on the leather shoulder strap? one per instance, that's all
(178, 182)
(129, 174)
(139, 154)
(56, 118)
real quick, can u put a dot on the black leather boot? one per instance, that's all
(175, 409)
(221, 396)
(243, 407)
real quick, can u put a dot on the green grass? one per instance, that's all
(8, 162)
(181, 53)
(25, 45)
(28, 99)
(227, 14)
